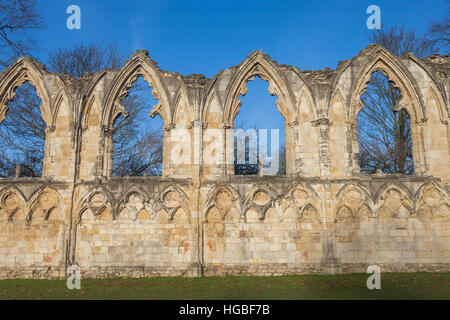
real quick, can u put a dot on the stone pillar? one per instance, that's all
(324, 153)
(293, 161)
(18, 170)
(418, 138)
(228, 147)
(107, 165)
(167, 166)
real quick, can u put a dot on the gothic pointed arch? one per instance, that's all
(432, 201)
(171, 199)
(182, 114)
(140, 64)
(300, 196)
(405, 194)
(24, 70)
(389, 65)
(61, 116)
(96, 199)
(258, 64)
(214, 199)
(11, 201)
(354, 197)
(213, 110)
(259, 197)
(134, 190)
(434, 94)
(90, 95)
(46, 202)
(306, 107)
(411, 100)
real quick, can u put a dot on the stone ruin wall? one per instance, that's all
(323, 216)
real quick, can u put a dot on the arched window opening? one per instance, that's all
(138, 139)
(259, 133)
(384, 129)
(22, 135)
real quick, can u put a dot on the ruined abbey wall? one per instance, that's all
(323, 216)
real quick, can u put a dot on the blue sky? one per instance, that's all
(208, 36)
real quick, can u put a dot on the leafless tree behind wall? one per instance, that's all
(138, 147)
(22, 134)
(384, 131)
(137, 150)
(439, 32)
(17, 19)
(247, 168)
(81, 59)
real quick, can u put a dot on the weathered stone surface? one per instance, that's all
(200, 219)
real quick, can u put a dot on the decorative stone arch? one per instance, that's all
(90, 96)
(435, 86)
(259, 64)
(353, 204)
(435, 93)
(213, 201)
(437, 133)
(13, 189)
(411, 101)
(307, 208)
(133, 207)
(22, 71)
(260, 205)
(133, 190)
(97, 205)
(11, 201)
(62, 97)
(393, 69)
(139, 65)
(307, 98)
(46, 199)
(393, 185)
(288, 192)
(431, 200)
(162, 203)
(306, 137)
(430, 185)
(382, 198)
(339, 131)
(182, 103)
(25, 70)
(301, 196)
(209, 109)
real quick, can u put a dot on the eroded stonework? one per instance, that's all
(200, 219)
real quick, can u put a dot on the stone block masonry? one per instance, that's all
(198, 219)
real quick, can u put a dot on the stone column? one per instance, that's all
(293, 159)
(324, 151)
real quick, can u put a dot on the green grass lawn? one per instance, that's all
(393, 286)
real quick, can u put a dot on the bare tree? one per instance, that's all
(384, 131)
(17, 19)
(81, 59)
(138, 149)
(248, 168)
(22, 134)
(282, 160)
(439, 32)
(400, 40)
